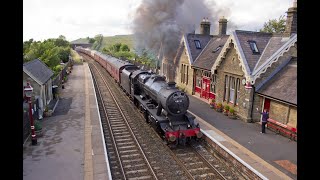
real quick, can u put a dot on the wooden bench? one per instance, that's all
(283, 129)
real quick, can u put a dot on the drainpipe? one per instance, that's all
(254, 89)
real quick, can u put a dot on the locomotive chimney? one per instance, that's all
(222, 26)
(291, 23)
(205, 26)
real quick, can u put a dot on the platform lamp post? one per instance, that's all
(28, 92)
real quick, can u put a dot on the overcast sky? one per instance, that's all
(43, 19)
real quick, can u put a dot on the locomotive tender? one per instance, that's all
(162, 104)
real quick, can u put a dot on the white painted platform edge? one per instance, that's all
(235, 156)
(101, 130)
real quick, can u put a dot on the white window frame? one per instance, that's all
(238, 92)
(226, 89)
(232, 89)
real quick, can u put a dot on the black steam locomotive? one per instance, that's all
(163, 105)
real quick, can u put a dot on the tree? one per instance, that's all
(274, 25)
(91, 40)
(61, 43)
(62, 37)
(98, 41)
(124, 47)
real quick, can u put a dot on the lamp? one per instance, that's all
(28, 93)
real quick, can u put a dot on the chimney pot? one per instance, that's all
(291, 22)
(222, 26)
(205, 26)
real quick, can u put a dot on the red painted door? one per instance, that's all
(205, 88)
(266, 104)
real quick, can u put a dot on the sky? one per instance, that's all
(43, 19)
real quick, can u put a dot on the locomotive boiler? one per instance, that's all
(165, 107)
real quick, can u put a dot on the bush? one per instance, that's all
(37, 125)
(227, 107)
(231, 110)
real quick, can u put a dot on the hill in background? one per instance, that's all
(110, 40)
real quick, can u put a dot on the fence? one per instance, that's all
(58, 79)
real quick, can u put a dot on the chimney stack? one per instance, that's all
(222, 26)
(291, 23)
(205, 26)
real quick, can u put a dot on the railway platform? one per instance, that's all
(270, 154)
(72, 145)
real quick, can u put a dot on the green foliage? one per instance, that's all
(231, 110)
(64, 54)
(62, 37)
(37, 125)
(57, 69)
(115, 48)
(75, 56)
(50, 51)
(124, 55)
(98, 41)
(124, 47)
(227, 107)
(61, 43)
(274, 25)
(91, 40)
(123, 39)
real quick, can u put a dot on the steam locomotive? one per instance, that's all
(163, 105)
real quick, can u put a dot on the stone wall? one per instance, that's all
(292, 121)
(36, 87)
(184, 60)
(230, 66)
(257, 103)
(279, 111)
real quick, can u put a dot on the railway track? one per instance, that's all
(136, 152)
(129, 160)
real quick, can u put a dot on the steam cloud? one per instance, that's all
(159, 22)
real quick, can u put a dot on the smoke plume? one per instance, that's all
(159, 24)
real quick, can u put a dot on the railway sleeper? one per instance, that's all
(197, 170)
(123, 136)
(120, 133)
(118, 130)
(134, 166)
(133, 160)
(137, 168)
(129, 151)
(136, 171)
(126, 145)
(123, 128)
(140, 178)
(206, 175)
(130, 156)
(128, 140)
